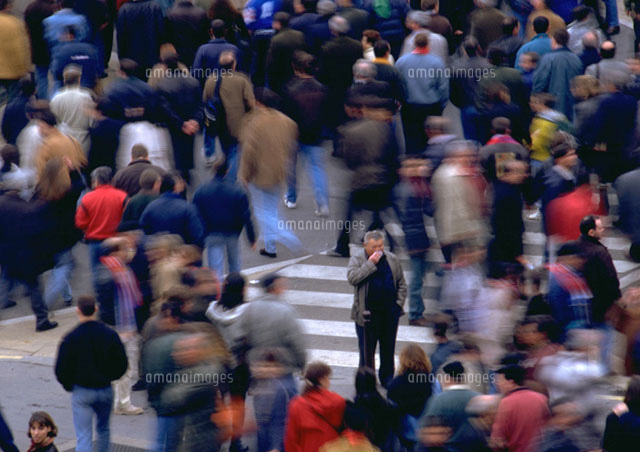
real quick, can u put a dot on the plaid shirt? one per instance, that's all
(569, 297)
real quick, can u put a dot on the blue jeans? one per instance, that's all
(85, 402)
(317, 173)
(266, 210)
(469, 119)
(216, 244)
(58, 283)
(95, 249)
(168, 431)
(419, 266)
(42, 82)
(6, 286)
(611, 7)
(230, 151)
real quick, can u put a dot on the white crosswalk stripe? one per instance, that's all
(323, 299)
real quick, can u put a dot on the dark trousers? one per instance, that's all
(260, 43)
(413, 117)
(182, 152)
(381, 329)
(38, 306)
(375, 200)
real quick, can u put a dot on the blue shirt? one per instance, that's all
(540, 43)
(54, 27)
(424, 79)
(258, 14)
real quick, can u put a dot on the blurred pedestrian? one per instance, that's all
(89, 358)
(268, 138)
(149, 184)
(316, 416)
(15, 54)
(622, 430)
(379, 413)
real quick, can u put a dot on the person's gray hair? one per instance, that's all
(482, 404)
(326, 7)
(486, 3)
(373, 235)
(364, 69)
(460, 147)
(339, 25)
(101, 175)
(422, 18)
(616, 78)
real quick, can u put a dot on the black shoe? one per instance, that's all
(68, 302)
(336, 253)
(10, 304)
(140, 385)
(264, 252)
(613, 31)
(46, 326)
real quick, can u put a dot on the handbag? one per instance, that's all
(214, 114)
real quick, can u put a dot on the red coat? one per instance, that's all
(565, 213)
(313, 420)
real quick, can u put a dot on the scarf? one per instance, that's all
(128, 292)
(43, 445)
(420, 187)
(382, 61)
(501, 139)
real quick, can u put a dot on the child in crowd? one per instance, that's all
(42, 431)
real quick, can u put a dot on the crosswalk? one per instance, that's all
(322, 297)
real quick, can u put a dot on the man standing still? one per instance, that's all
(89, 358)
(379, 295)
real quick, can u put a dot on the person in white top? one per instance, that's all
(71, 106)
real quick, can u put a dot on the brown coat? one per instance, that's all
(237, 98)
(555, 22)
(267, 140)
(59, 145)
(15, 51)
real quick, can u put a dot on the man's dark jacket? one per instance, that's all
(187, 29)
(35, 13)
(306, 104)
(172, 214)
(128, 179)
(280, 56)
(90, 356)
(224, 208)
(601, 276)
(140, 32)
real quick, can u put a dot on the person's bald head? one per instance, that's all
(227, 60)
(590, 40)
(608, 49)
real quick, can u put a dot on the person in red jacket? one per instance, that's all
(315, 417)
(99, 212)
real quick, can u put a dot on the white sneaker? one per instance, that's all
(537, 215)
(289, 204)
(322, 212)
(130, 410)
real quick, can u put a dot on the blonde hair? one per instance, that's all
(585, 86)
(414, 359)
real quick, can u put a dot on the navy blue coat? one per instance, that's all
(412, 209)
(130, 99)
(224, 208)
(172, 214)
(207, 57)
(392, 28)
(140, 32)
(81, 54)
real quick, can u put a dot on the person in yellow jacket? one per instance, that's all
(544, 125)
(15, 54)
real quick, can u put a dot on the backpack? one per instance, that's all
(214, 114)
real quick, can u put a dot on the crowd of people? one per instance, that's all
(549, 131)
